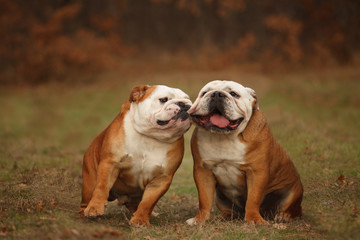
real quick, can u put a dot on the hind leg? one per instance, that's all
(224, 205)
(88, 185)
(290, 207)
(230, 209)
(132, 204)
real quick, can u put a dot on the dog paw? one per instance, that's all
(282, 217)
(154, 214)
(139, 222)
(195, 221)
(94, 209)
(191, 221)
(255, 219)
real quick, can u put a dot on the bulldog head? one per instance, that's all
(223, 107)
(160, 112)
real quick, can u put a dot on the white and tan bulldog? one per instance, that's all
(135, 157)
(237, 158)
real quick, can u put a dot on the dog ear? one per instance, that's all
(253, 94)
(137, 93)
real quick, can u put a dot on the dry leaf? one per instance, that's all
(355, 212)
(115, 233)
(75, 232)
(52, 203)
(307, 150)
(39, 207)
(47, 218)
(341, 179)
(174, 197)
(149, 238)
(326, 183)
(103, 232)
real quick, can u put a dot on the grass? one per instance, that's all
(45, 130)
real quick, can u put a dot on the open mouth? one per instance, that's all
(216, 120)
(182, 115)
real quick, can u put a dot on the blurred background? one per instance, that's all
(67, 65)
(74, 40)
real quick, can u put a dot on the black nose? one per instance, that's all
(183, 106)
(217, 94)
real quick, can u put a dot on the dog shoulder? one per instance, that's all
(110, 139)
(195, 147)
(257, 129)
(175, 154)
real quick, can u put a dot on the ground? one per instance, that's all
(45, 130)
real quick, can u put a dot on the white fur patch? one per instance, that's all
(146, 142)
(146, 153)
(222, 154)
(191, 221)
(216, 148)
(234, 107)
(146, 114)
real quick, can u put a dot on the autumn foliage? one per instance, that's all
(45, 40)
(50, 40)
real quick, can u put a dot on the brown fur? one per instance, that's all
(270, 184)
(106, 178)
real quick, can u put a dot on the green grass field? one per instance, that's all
(44, 132)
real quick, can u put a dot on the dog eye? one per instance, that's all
(163, 100)
(234, 94)
(203, 94)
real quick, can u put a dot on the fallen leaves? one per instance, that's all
(4, 230)
(341, 179)
(75, 232)
(52, 203)
(107, 231)
(174, 197)
(39, 207)
(307, 150)
(48, 218)
(150, 238)
(354, 212)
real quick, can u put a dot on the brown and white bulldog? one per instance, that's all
(135, 157)
(236, 157)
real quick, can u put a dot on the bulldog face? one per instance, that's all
(160, 112)
(223, 107)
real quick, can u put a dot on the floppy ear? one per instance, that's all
(253, 94)
(137, 93)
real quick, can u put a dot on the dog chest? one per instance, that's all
(223, 155)
(216, 148)
(147, 156)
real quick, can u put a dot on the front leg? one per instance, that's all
(205, 183)
(153, 192)
(107, 173)
(256, 183)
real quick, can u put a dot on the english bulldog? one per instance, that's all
(237, 159)
(135, 157)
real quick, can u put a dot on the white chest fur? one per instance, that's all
(223, 154)
(147, 154)
(220, 148)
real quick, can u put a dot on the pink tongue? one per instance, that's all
(219, 121)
